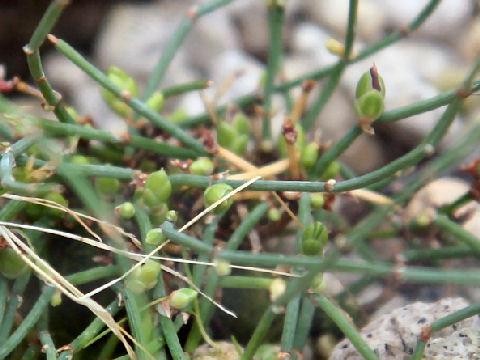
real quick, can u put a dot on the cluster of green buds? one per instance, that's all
(314, 239)
(369, 98)
(144, 277)
(11, 265)
(234, 137)
(214, 193)
(155, 237)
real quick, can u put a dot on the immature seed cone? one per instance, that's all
(214, 193)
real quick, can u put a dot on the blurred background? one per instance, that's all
(234, 40)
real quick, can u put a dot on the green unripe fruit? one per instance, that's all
(331, 171)
(239, 146)
(182, 298)
(126, 210)
(155, 237)
(314, 239)
(241, 124)
(274, 214)
(56, 298)
(226, 134)
(223, 267)
(214, 193)
(72, 112)
(159, 185)
(317, 200)
(135, 285)
(309, 155)
(299, 143)
(107, 186)
(148, 274)
(11, 265)
(370, 105)
(59, 199)
(202, 166)
(155, 102)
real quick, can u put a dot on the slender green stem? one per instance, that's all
(447, 252)
(138, 106)
(3, 296)
(304, 323)
(11, 209)
(89, 333)
(53, 128)
(28, 322)
(247, 224)
(184, 88)
(46, 24)
(208, 236)
(345, 326)
(276, 15)
(259, 334)
(450, 208)
(13, 302)
(352, 21)
(48, 345)
(176, 41)
(419, 349)
(185, 240)
(463, 235)
(109, 348)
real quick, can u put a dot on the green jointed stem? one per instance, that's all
(53, 128)
(254, 216)
(138, 106)
(3, 296)
(48, 21)
(345, 325)
(463, 235)
(276, 16)
(259, 334)
(176, 41)
(208, 236)
(446, 252)
(352, 21)
(28, 322)
(184, 88)
(48, 345)
(185, 240)
(304, 323)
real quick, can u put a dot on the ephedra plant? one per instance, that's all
(156, 261)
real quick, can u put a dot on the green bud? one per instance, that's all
(155, 237)
(318, 283)
(11, 265)
(370, 105)
(159, 185)
(314, 239)
(171, 216)
(107, 186)
(223, 267)
(59, 199)
(135, 285)
(214, 193)
(331, 171)
(226, 134)
(274, 214)
(126, 210)
(182, 298)
(155, 102)
(309, 155)
(299, 144)
(202, 166)
(317, 200)
(241, 124)
(148, 273)
(370, 80)
(56, 298)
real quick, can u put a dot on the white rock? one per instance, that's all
(333, 14)
(309, 40)
(394, 335)
(449, 14)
